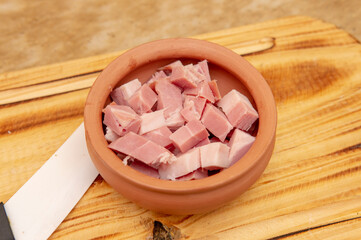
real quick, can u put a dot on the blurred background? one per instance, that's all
(39, 32)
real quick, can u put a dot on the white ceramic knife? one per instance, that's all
(42, 203)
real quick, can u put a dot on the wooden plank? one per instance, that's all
(57, 86)
(310, 188)
(347, 229)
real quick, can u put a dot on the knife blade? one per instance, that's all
(42, 203)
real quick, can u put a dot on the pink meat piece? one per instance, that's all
(238, 110)
(215, 139)
(142, 149)
(192, 108)
(185, 163)
(197, 174)
(121, 94)
(121, 119)
(156, 76)
(110, 135)
(143, 100)
(175, 120)
(216, 122)
(151, 121)
(160, 136)
(215, 90)
(182, 77)
(194, 74)
(239, 144)
(176, 151)
(215, 156)
(189, 135)
(203, 142)
(145, 169)
(169, 68)
(170, 99)
(202, 90)
(203, 68)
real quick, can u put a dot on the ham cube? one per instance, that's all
(169, 96)
(145, 169)
(238, 110)
(121, 119)
(215, 90)
(203, 142)
(192, 108)
(121, 94)
(156, 76)
(182, 77)
(143, 100)
(215, 156)
(197, 174)
(169, 68)
(160, 136)
(239, 144)
(202, 90)
(142, 149)
(151, 121)
(175, 120)
(216, 122)
(203, 68)
(193, 74)
(189, 135)
(185, 163)
(170, 99)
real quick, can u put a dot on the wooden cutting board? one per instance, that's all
(311, 188)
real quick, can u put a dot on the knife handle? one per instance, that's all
(5, 230)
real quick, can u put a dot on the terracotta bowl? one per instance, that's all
(181, 197)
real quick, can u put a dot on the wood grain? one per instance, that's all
(62, 81)
(311, 187)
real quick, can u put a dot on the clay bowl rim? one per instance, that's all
(178, 48)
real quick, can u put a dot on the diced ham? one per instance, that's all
(239, 144)
(215, 90)
(214, 139)
(216, 122)
(170, 99)
(121, 119)
(238, 110)
(151, 121)
(189, 135)
(166, 148)
(203, 142)
(169, 68)
(203, 67)
(197, 174)
(110, 135)
(185, 163)
(182, 77)
(160, 136)
(175, 120)
(215, 156)
(202, 90)
(156, 76)
(121, 94)
(145, 169)
(193, 74)
(143, 100)
(192, 108)
(142, 149)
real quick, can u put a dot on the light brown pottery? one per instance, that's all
(181, 197)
